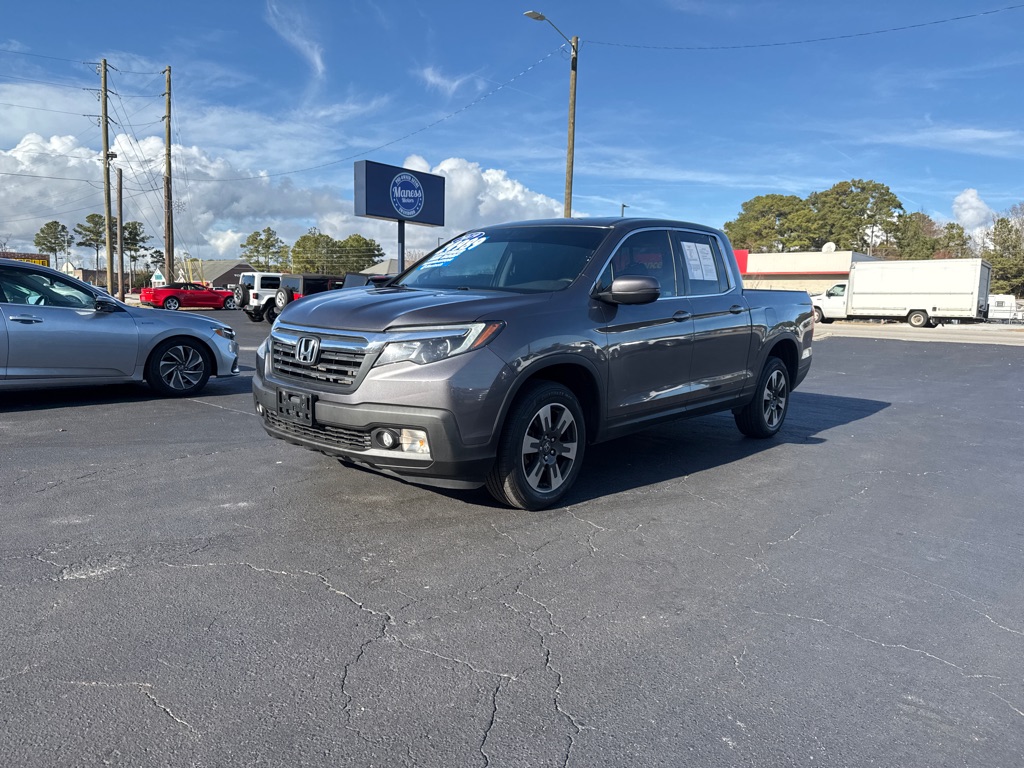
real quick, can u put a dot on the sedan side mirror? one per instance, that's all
(632, 289)
(104, 304)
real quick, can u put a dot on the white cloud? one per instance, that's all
(439, 82)
(217, 204)
(966, 140)
(971, 212)
(292, 27)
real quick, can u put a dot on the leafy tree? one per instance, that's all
(93, 233)
(953, 243)
(314, 252)
(1005, 251)
(771, 223)
(266, 252)
(134, 239)
(855, 214)
(53, 238)
(917, 236)
(358, 252)
(319, 252)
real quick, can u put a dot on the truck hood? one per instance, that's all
(377, 309)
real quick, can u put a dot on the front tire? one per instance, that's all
(541, 448)
(763, 416)
(229, 303)
(179, 368)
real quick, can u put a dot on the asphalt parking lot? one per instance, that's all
(179, 589)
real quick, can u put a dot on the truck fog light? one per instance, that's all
(415, 441)
(386, 438)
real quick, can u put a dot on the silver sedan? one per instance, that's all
(56, 331)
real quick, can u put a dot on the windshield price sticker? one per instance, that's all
(456, 247)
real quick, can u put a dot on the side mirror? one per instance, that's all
(632, 289)
(104, 304)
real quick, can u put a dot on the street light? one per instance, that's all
(622, 210)
(575, 45)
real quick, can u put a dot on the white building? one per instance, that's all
(811, 271)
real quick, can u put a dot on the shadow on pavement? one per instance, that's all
(109, 394)
(685, 447)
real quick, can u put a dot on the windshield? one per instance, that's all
(518, 259)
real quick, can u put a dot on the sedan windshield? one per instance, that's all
(517, 259)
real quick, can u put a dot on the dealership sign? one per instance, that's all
(398, 194)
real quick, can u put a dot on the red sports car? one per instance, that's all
(189, 295)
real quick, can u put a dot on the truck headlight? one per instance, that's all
(428, 345)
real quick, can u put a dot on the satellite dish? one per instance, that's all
(828, 248)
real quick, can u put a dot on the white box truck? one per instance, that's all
(923, 293)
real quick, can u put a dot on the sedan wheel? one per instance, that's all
(229, 303)
(541, 448)
(179, 368)
(171, 303)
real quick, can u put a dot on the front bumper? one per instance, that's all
(344, 431)
(343, 426)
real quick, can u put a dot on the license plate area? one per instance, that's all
(295, 407)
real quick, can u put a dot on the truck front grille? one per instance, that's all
(338, 366)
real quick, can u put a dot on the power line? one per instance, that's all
(44, 82)
(40, 109)
(808, 41)
(133, 145)
(41, 56)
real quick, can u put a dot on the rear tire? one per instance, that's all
(918, 318)
(270, 313)
(241, 295)
(541, 448)
(818, 316)
(283, 298)
(179, 368)
(171, 303)
(763, 416)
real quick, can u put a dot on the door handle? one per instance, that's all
(737, 309)
(681, 315)
(26, 319)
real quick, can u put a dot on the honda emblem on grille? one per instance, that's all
(307, 350)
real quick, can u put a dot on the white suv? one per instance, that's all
(255, 294)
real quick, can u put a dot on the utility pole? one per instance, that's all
(168, 198)
(120, 239)
(106, 177)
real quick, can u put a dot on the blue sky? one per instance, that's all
(685, 109)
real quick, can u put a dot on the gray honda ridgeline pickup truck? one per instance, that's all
(498, 357)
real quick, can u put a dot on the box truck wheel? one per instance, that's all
(918, 318)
